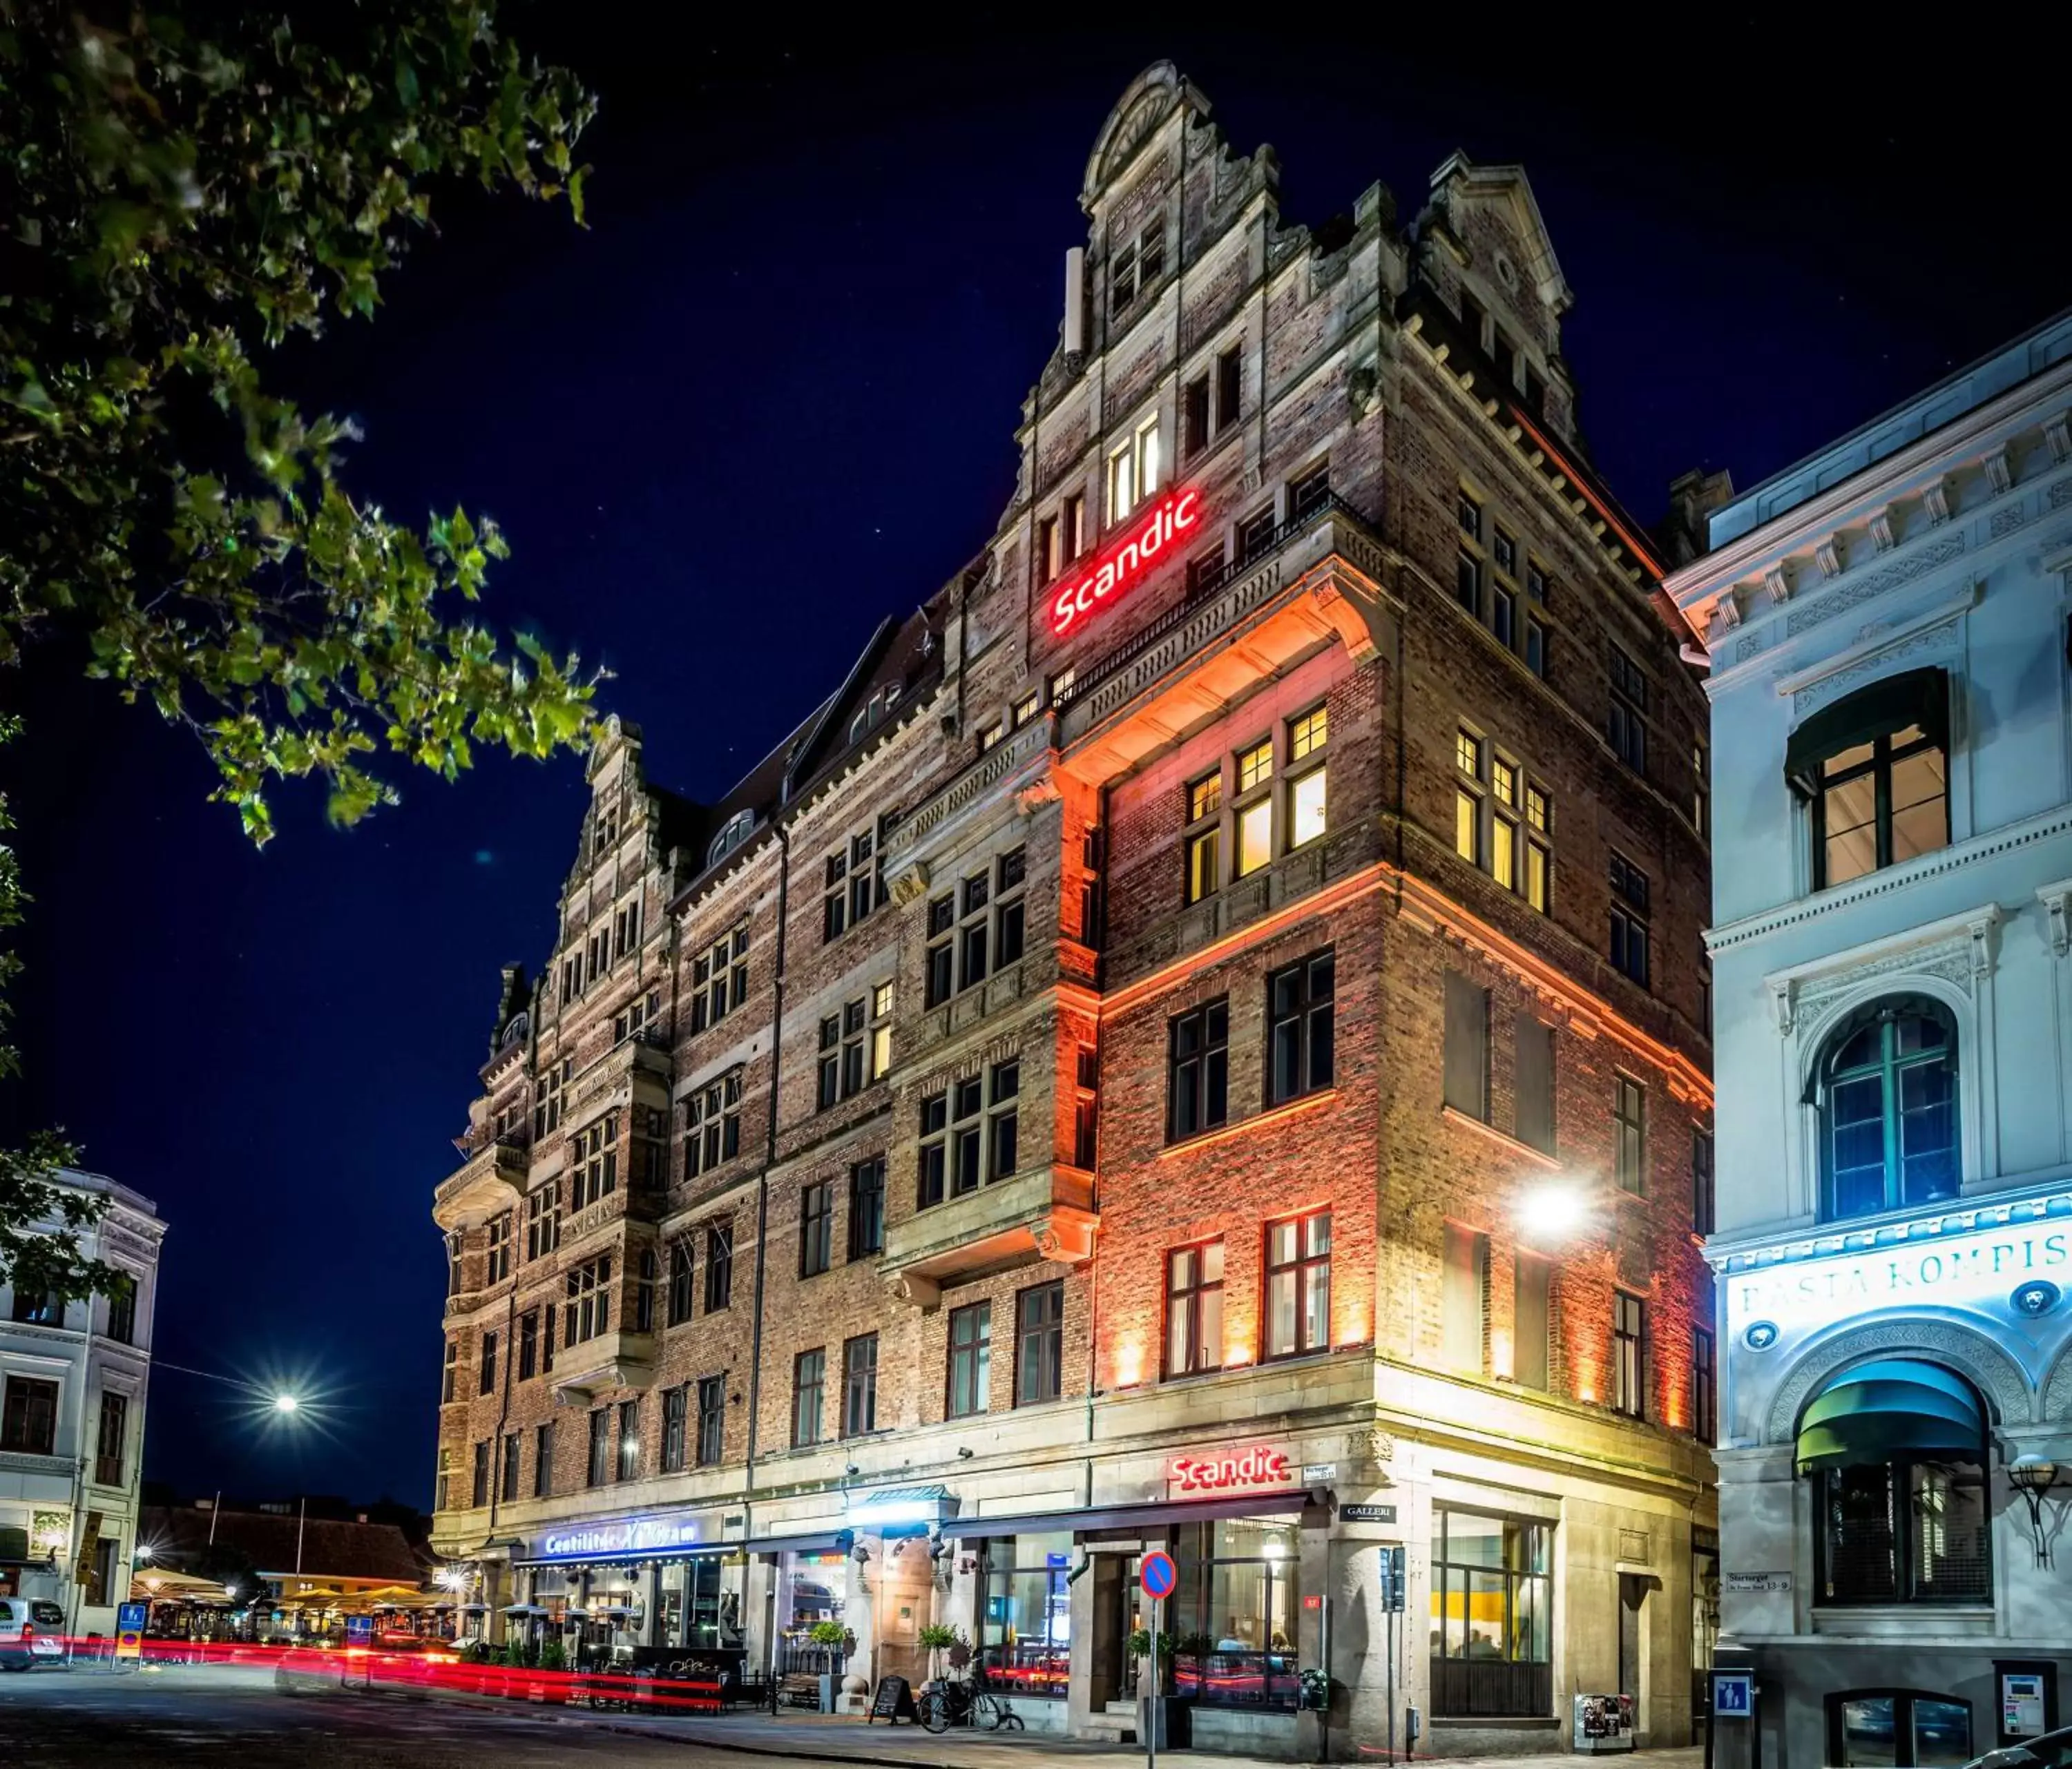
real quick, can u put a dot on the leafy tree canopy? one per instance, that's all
(182, 188)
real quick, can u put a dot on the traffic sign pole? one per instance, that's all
(1158, 1577)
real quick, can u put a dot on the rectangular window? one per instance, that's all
(1004, 1122)
(598, 1469)
(1205, 804)
(1503, 617)
(711, 1420)
(816, 1221)
(594, 1156)
(1532, 1082)
(1025, 709)
(933, 1170)
(1705, 1386)
(1254, 837)
(1877, 804)
(1539, 852)
(1049, 561)
(451, 1390)
(478, 1489)
(711, 1125)
(529, 1345)
(719, 1266)
(543, 1220)
(488, 1364)
(122, 1315)
(108, 1444)
(587, 1311)
(543, 1461)
(1467, 1058)
(1039, 1347)
(1137, 266)
(1503, 549)
(1629, 1129)
(1298, 1285)
(1195, 416)
(1703, 1213)
(1468, 583)
(866, 1208)
(1629, 1355)
(1209, 569)
(1198, 1070)
(29, 1416)
(881, 1031)
(1255, 535)
(1628, 728)
(1195, 1309)
(1492, 1616)
(971, 1360)
(36, 1309)
(1133, 471)
(629, 1440)
(1531, 1319)
(1468, 514)
(1306, 738)
(1229, 385)
(676, 1408)
(1010, 872)
(513, 1444)
(991, 737)
(1701, 793)
(1535, 647)
(860, 1386)
(681, 1294)
(1628, 922)
(1300, 1039)
(809, 1376)
(1464, 1303)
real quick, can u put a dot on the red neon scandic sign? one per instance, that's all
(1081, 595)
(1253, 1467)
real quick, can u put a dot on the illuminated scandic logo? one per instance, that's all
(636, 1535)
(1173, 516)
(1983, 1267)
(1256, 1466)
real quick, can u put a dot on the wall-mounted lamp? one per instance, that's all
(2032, 1476)
(964, 1453)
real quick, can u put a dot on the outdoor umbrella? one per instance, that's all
(523, 1609)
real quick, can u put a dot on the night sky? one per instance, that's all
(769, 397)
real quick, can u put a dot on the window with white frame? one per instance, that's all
(1133, 471)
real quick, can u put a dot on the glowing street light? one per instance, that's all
(1552, 1210)
(286, 1403)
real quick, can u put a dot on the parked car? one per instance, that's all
(31, 1633)
(2047, 1750)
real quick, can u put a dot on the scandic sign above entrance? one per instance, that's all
(632, 1536)
(1078, 597)
(1257, 1467)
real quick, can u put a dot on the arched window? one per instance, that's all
(1897, 1449)
(1886, 1088)
(732, 833)
(1873, 769)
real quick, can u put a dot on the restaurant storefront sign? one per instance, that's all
(621, 1539)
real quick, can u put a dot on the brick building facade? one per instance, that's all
(1200, 1042)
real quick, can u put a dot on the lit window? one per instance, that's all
(1204, 846)
(1024, 709)
(1254, 766)
(1468, 827)
(1195, 1309)
(1255, 836)
(1133, 471)
(1298, 1285)
(881, 1031)
(1307, 734)
(1468, 754)
(1306, 808)
(989, 737)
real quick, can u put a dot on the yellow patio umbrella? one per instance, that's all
(163, 1585)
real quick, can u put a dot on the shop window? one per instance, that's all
(1492, 1616)
(971, 1360)
(1039, 1344)
(1885, 1086)
(1300, 1040)
(1025, 1622)
(1195, 1309)
(1901, 1729)
(1233, 1614)
(1198, 1070)
(1298, 1285)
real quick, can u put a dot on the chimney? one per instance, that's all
(1075, 301)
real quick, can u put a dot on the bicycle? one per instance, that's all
(961, 1703)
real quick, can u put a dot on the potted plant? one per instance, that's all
(1161, 1714)
(833, 1639)
(939, 1638)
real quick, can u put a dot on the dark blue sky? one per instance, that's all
(766, 398)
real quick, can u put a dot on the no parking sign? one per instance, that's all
(1157, 1574)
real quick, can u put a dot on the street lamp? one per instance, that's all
(1552, 1210)
(2032, 1476)
(286, 1403)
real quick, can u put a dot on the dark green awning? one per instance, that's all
(1896, 1406)
(1919, 697)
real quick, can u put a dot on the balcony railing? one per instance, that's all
(1120, 656)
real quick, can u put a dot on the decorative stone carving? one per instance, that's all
(2054, 899)
(2061, 494)
(1777, 585)
(2058, 1390)
(1828, 556)
(910, 884)
(1901, 571)
(2006, 521)
(1726, 617)
(1818, 693)
(1999, 470)
(1749, 645)
(924, 1293)
(1935, 501)
(2058, 433)
(1971, 1355)
(1881, 530)
(1782, 1008)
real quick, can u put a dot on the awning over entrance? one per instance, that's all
(1152, 1513)
(826, 1541)
(1895, 1406)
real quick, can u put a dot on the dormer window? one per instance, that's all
(732, 833)
(1137, 266)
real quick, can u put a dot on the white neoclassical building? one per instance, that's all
(73, 1380)
(1892, 770)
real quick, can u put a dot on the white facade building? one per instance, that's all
(73, 1382)
(1891, 768)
